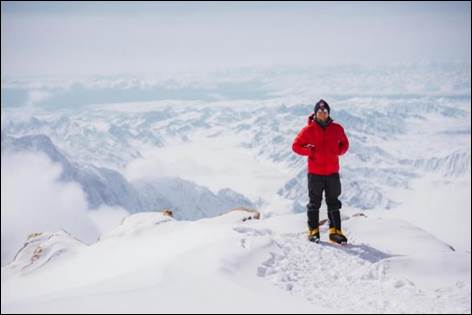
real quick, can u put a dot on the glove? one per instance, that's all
(311, 147)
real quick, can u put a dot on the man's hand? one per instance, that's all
(311, 147)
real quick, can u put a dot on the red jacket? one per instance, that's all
(327, 144)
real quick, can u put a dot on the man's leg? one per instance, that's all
(333, 191)
(315, 193)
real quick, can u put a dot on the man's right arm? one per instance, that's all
(300, 143)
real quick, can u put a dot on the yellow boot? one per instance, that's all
(340, 233)
(314, 235)
(336, 236)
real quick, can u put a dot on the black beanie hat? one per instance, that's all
(322, 104)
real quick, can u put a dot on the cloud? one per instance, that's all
(36, 96)
(107, 218)
(34, 200)
(216, 162)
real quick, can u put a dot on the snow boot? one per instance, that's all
(336, 236)
(335, 233)
(314, 235)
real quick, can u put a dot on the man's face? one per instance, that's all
(322, 114)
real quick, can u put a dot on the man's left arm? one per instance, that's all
(343, 142)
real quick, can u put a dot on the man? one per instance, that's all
(323, 141)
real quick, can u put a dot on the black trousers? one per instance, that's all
(331, 185)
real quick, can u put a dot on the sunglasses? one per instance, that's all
(323, 110)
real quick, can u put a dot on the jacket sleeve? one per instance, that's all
(343, 143)
(300, 142)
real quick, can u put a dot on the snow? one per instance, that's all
(392, 143)
(104, 186)
(153, 263)
(98, 175)
(213, 161)
(106, 218)
(439, 206)
(35, 200)
(147, 163)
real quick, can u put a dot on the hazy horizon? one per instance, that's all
(108, 38)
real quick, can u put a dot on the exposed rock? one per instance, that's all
(41, 248)
(167, 212)
(253, 213)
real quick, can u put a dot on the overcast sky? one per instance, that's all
(111, 38)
